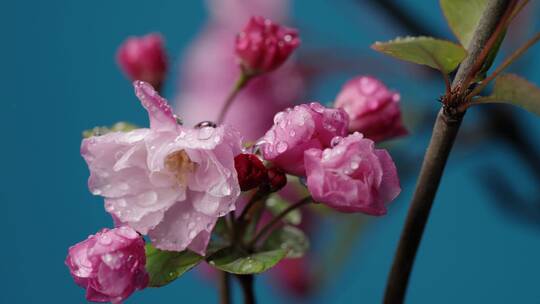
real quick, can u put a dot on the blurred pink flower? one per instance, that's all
(167, 181)
(209, 72)
(235, 13)
(262, 46)
(299, 129)
(373, 109)
(294, 276)
(352, 176)
(110, 265)
(143, 58)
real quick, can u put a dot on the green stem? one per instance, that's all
(278, 218)
(239, 85)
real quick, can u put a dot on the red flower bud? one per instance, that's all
(251, 171)
(263, 45)
(277, 179)
(143, 58)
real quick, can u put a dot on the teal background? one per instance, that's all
(58, 77)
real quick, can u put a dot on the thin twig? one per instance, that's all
(224, 287)
(246, 282)
(240, 83)
(278, 218)
(506, 63)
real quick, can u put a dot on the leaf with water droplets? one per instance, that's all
(233, 260)
(436, 53)
(512, 89)
(164, 267)
(289, 238)
(276, 204)
(117, 127)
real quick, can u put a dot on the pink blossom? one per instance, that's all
(294, 276)
(203, 90)
(143, 58)
(263, 45)
(110, 265)
(235, 13)
(373, 109)
(352, 176)
(168, 181)
(299, 129)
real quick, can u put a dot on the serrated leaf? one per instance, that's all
(276, 204)
(164, 267)
(463, 17)
(232, 260)
(117, 127)
(512, 89)
(436, 53)
(289, 238)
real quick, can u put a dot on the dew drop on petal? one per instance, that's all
(281, 147)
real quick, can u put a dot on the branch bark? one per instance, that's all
(444, 133)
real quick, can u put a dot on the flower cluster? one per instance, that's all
(174, 183)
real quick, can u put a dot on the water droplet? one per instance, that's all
(206, 123)
(354, 165)
(292, 133)
(147, 198)
(335, 141)
(281, 147)
(205, 133)
(105, 240)
(317, 107)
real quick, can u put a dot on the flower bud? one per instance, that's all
(300, 128)
(143, 58)
(373, 109)
(352, 176)
(277, 179)
(263, 45)
(110, 265)
(251, 171)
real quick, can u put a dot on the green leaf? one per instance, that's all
(165, 266)
(512, 89)
(438, 54)
(117, 127)
(289, 238)
(276, 204)
(463, 17)
(234, 261)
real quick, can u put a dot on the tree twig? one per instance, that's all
(444, 133)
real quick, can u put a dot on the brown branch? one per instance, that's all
(444, 133)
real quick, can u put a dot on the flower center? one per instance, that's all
(181, 165)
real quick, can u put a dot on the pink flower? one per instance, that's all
(143, 58)
(234, 13)
(202, 91)
(373, 109)
(352, 176)
(294, 276)
(299, 129)
(263, 45)
(167, 181)
(110, 265)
